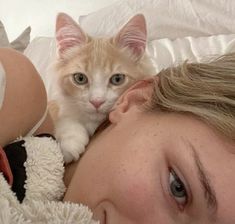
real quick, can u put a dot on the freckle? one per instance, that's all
(134, 132)
(122, 168)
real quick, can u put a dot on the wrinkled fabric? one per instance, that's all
(165, 19)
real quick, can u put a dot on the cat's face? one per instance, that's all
(93, 72)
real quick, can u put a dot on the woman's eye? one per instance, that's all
(80, 78)
(177, 189)
(117, 79)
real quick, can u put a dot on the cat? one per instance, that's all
(90, 73)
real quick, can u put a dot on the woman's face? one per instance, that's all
(156, 168)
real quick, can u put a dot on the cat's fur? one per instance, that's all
(81, 108)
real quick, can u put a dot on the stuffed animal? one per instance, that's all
(37, 200)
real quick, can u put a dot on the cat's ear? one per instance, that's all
(68, 33)
(133, 35)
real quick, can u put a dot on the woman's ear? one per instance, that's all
(138, 94)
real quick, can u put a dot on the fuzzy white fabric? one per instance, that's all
(44, 188)
(44, 168)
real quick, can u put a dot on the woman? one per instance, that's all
(166, 155)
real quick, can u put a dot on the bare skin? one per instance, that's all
(25, 98)
(167, 168)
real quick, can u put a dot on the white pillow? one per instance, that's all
(166, 52)
(166, 19)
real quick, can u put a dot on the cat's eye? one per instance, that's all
(117, 79)
(177, 189)
(80, 78)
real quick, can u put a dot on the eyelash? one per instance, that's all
(181, 204)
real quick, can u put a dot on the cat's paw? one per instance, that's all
(71, 149)
(73, 138)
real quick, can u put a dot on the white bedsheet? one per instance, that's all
(166, 18)
(166, 52)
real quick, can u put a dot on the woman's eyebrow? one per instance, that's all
(209, 192)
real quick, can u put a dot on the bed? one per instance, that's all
(177, 30)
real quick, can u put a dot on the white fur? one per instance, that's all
(73, 138)
(79, 119)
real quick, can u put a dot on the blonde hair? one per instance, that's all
(206, 90)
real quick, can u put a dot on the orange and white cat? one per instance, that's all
(90, 74)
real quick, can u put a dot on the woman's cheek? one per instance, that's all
(135, 194)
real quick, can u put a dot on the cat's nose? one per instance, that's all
(97, 103)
